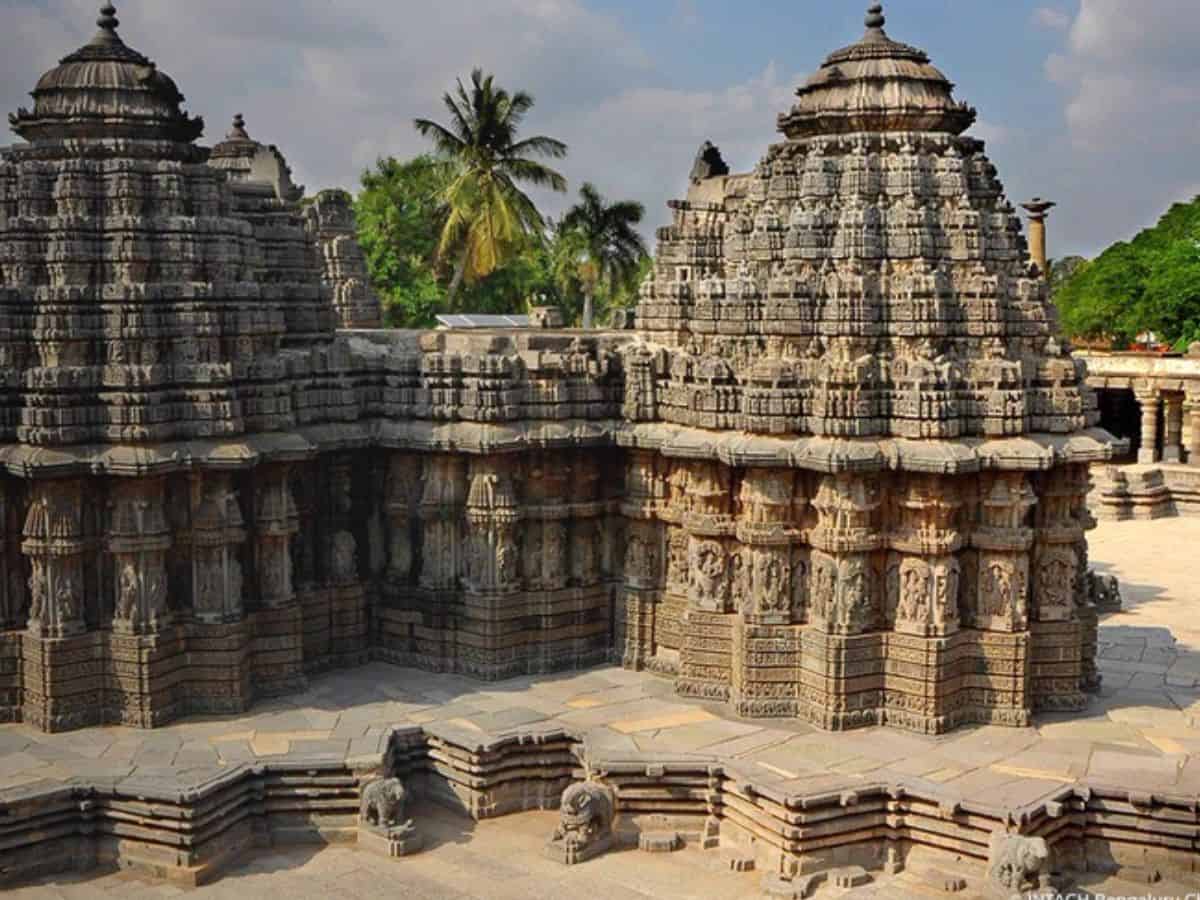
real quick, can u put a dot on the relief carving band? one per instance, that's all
(835, 469)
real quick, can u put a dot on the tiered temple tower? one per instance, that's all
(839, 472)
(860, 451)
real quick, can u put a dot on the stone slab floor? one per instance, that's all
(1142, 732)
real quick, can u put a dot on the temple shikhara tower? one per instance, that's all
(858, 451)
(837, 471)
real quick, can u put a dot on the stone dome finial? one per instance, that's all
(108, 22)
(875, 18)
(238, 131)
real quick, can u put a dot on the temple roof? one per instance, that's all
(246, 160)
(106, 90)
(876, 84)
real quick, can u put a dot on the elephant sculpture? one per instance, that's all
(384, 804)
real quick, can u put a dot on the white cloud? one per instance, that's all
(1051, 18)
(1130, 78)
(338, 85)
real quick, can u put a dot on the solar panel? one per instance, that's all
(480, 320)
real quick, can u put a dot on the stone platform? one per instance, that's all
(1133, 757)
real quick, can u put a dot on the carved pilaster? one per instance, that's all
(844, 597)
(403, 491)
(924, 575)
(441, 520)
(276, 522)
(55, 545)
(1002, 539)
(643, 554)
(492, 517)
(342, 563)
(12, 587)
(218, 533)
(766, 529)
(923, 594)
(138, 541)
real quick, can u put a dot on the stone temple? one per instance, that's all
(837, 472)
(834, 476)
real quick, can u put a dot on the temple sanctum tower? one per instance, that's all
(837, 471)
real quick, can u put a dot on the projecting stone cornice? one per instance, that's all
(1028, 453)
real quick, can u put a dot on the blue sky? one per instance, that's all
(1094, 103)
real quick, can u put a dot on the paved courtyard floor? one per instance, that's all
(1142, 731)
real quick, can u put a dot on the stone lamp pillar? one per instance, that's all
(1038, 209)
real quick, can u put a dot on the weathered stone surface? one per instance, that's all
(585, 830)
(837, 474)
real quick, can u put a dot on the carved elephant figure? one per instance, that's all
(1016, 862)
(384, 803)
(586, 813)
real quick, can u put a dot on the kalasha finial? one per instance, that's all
(875, 18)
(108, 20)
(238, 131)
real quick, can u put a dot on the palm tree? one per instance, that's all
(610, 248)
(488, 217)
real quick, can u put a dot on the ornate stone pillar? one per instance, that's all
(1173, 445)
(54, 543)
(277, 521)
(1148, 398)
(138, 541)
(1192, 408)
(218, 533)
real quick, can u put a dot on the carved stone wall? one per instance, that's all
(850, 600)
(837, 473)
(500, 565)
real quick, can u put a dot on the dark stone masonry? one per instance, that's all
(837, 472)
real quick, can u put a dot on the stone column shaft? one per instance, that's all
(1173, 449)
(1192, 409)
(1148, 453)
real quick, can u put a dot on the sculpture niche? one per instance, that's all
(384, 826)
(585, 829)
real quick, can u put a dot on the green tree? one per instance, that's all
(1151, 283)
(399, 215)
(488, 218)
(603, 240)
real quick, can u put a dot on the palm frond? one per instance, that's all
(538, 146)
(445, 141)
(534, 173)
